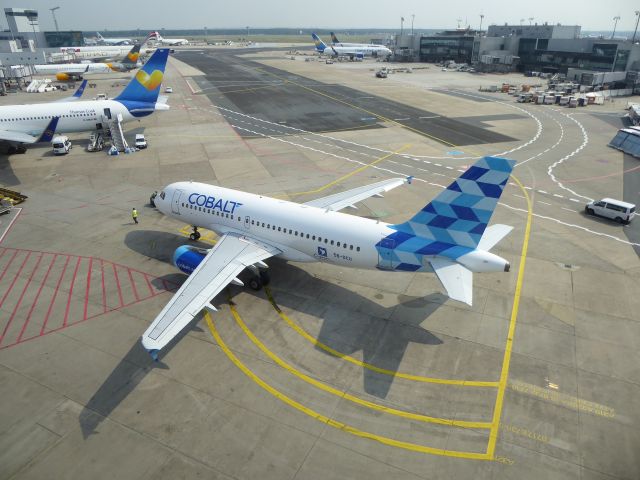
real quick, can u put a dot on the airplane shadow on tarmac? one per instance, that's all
(383, 341)
(7, 175)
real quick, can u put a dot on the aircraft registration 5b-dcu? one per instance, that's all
(449, 236)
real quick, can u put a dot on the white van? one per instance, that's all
(621, 212)
(141, 142)
(61, 145)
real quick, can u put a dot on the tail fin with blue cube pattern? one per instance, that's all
(459, 215)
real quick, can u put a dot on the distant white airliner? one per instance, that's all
(449, 236)
(358, 50)
(171, 42)
(113, 41)
(75, 71)
(24, 124)
(102, 53)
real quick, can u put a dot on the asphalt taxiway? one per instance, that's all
(331, 372)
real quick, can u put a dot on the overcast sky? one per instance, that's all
(334, 14)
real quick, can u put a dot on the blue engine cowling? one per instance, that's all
(187, 258)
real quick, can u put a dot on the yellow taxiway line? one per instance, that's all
(368, 366)
(329, 421)
(345, 395)
(506, 362)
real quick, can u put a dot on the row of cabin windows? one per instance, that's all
(275, 228)
(47, 118)
(303, 235)
(208, 210)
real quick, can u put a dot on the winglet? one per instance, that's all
(410, 179)
(80, 89)
(50, 131)
(154, 354)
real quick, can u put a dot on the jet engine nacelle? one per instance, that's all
(63, 77)
(480, 261)
(187, 258)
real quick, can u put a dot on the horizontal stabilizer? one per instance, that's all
(492, 235)
(456, 279)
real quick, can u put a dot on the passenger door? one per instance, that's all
(175, 201)
(385, 253)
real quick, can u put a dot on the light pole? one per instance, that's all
(206, 40)
(401, 25)
(521, 21)
(413, 17)
(637, 20)
(247, 32)
(481, 18)
(53, 12)
(530, 20)
(615, 24)
(32, 17)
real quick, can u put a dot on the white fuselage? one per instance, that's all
(79, 116)
(302, 232)
(363, 50)
(73, 68)
(174, 41)
(97, 52)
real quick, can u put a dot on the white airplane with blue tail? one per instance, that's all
(449, 236)
(24, 124)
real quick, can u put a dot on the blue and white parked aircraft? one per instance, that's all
(23, 124)
(352, 51)
(449, 236)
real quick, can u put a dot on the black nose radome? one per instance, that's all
(507, 267)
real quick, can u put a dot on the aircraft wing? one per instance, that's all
(21, 137)
(231, 254)
(348, 198)
(456, 279)
(18, 137)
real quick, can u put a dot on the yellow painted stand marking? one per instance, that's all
(368, 366)
(329, 421)
(345, 395)
(504, 374)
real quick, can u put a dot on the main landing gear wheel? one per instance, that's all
(195, 235)
(255, 283)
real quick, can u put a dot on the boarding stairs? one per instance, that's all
(38, 85)
(117, 136)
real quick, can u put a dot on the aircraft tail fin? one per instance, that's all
(100, 37)
(334, 39)
(145, 86)
(78, 93)
(130, 60)
(320, 45)
(459, 215)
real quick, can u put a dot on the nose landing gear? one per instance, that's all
(195, 235)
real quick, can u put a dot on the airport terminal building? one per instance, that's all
(542, 48)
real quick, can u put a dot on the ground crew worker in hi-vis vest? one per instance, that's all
(134, 214)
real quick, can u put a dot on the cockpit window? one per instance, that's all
(162, 195)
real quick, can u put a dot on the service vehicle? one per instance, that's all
(141, 142)
(621, 212)
(61, 145)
